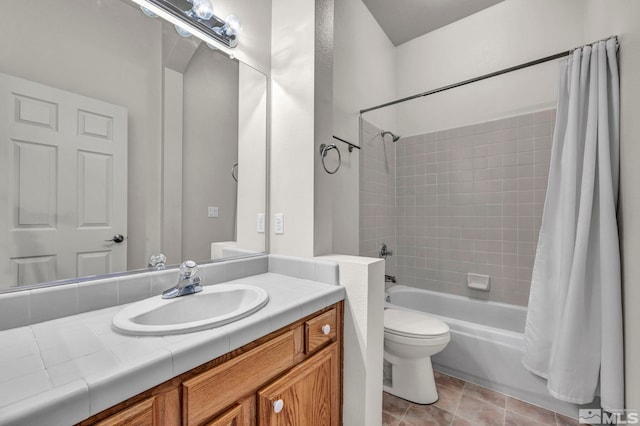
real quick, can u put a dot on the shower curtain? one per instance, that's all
(573, 334)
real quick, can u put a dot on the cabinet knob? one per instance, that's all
(278, 406)
(326, 329)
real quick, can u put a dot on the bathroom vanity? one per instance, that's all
(292, 376)
(279, 365)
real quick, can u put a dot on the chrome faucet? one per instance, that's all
(188, 283)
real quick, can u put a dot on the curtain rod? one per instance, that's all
(485, 76)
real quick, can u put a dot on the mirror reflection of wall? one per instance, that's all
(182, 110)
(210, 149)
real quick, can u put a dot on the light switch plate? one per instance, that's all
(260, 223)
(279, 223)
(212, 212)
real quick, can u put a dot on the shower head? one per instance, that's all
(394, 137)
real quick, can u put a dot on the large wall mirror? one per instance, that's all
(119, 139)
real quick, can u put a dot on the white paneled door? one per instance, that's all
(63, 184)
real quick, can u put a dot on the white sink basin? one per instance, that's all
(214, 306)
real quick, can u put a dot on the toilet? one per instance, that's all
(410, 338)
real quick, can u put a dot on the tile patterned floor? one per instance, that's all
(465, 404)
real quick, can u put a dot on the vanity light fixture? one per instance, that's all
(182, 31)
(199, 20)
(147, 12)
(202, 9)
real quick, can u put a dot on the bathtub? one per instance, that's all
(487, 340)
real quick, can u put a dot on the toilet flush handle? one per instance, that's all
(326, 329)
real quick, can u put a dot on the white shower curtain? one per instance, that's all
(573, 334)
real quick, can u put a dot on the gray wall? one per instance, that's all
(468, 199)
(210, 147)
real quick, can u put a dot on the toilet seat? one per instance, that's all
(415, 325)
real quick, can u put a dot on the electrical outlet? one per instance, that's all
(212, 212)
(260, 223)
(279, 223)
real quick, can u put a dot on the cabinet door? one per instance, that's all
(308, 395)
(140, 414)
(232, 417)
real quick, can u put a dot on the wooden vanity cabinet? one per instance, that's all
(140, 414)
(307, 395)
(291, 377)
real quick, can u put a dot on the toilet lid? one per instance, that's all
(413, 324)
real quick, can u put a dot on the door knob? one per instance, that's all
(278, 406)
(118, 238)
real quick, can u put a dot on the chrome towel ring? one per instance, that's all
(234, 172)
(323, 153)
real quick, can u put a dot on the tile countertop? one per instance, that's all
(65, 370)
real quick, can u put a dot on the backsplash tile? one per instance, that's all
(15, 310)
(132, 288)
(97, 294)
(468, 199)
(299, 268)
(27, 307)
(164, 280)
(241, 268)
(305, 268)
(48, 303)
(212, 273)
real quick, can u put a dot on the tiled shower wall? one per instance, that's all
(377, 195)
(468, 199)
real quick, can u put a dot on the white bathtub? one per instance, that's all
(486, 344)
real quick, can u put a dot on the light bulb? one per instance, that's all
(232, 25)
(147, 12)
(183, 32)
(203, 9)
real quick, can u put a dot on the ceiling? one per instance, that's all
(404, 20)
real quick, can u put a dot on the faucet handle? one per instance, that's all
(157, 261)
(188, 269)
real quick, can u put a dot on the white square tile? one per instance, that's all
(235, 269)
(99, 322)
(15, 310)
(249, 329)
(11, 369)
(110, 387)
(81, 367)
(17, 343)
(97, 294)
(284, 315)
(212, 273)
(313, 305)
(23, 387)
(163, 280)
(327, 272)
(132, 288)
(199, 348)
(70, 343)
(292, 266)
(65, 405)
(137, 348)
(53, 302)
